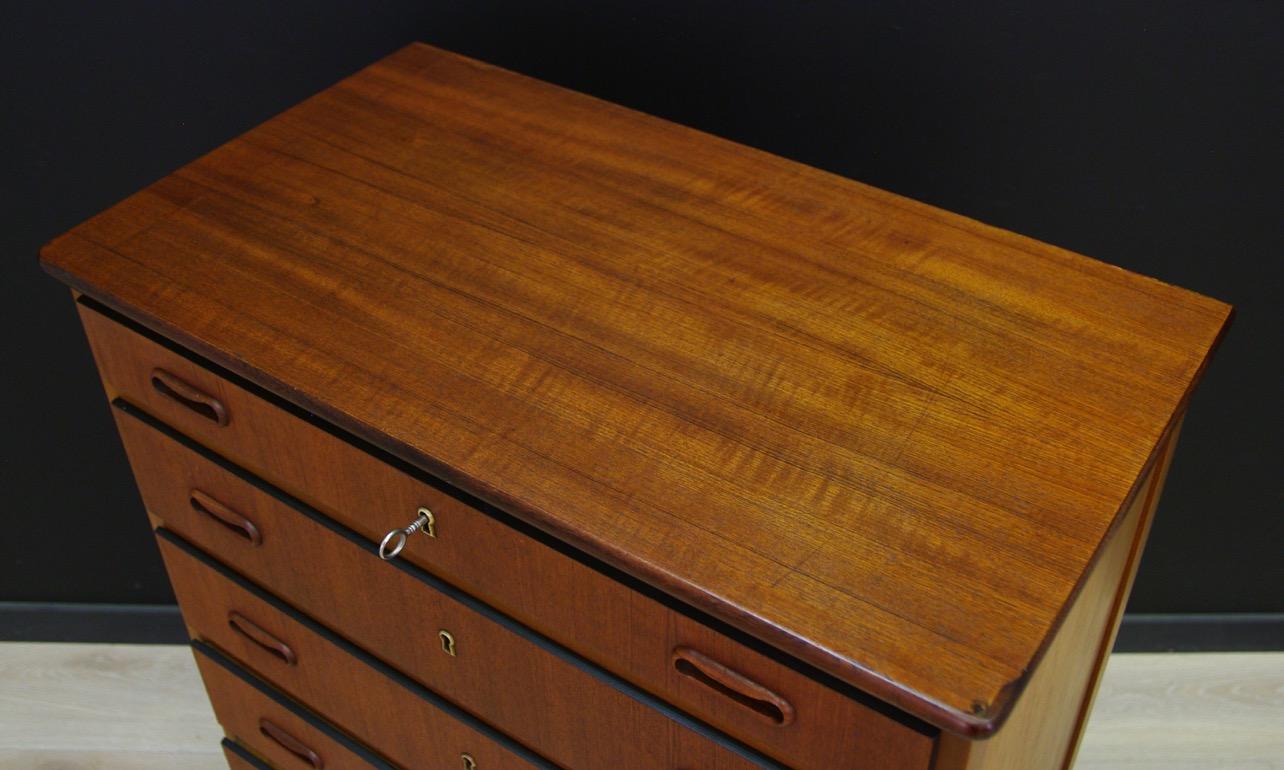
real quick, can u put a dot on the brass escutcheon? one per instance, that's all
(429, 522)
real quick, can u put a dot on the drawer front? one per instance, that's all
(768, 705)
(268, 726)
(236, 627)
(484, 662)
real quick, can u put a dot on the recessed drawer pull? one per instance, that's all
(395, 540)
(733, 685)
(189, 396)
(260, 636)
(203, 503)
(291, 744)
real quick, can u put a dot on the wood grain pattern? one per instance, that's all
(760, 387)
(571, 603)
(559, 721)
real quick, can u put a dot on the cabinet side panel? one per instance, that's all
(1047, 723)
(1156, 484)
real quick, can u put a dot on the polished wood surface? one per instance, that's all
(760, 387)
(571, 603)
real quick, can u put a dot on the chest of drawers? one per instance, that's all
(483, 424)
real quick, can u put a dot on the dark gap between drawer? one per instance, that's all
(528, 634)
(522, 527)
(294, 708)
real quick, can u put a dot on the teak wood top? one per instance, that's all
(885, 439)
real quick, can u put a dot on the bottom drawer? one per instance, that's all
(237, 623)
(271, 726)
(239, 758)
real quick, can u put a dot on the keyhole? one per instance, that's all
(448, 647)
(469, 762)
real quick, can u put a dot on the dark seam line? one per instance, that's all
(281, 700)
(534, 637)
(522, 527)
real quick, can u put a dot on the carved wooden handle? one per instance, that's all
(224, 515)
(260, 636)
(291, 744)
(190, 396)
(734, 685)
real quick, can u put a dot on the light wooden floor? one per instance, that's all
(126, 707)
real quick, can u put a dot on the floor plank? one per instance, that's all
(111, 760)
(1163, 711)
(140, 707)
(125, 707)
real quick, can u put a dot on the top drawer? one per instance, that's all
(765, 703)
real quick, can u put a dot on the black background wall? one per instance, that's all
(1147, 135)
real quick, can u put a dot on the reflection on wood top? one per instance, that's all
(886, 439)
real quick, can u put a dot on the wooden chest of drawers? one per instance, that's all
(487, 425)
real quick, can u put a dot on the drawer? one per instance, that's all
(240, 632)
(517, 681)
(733, 683)
(269, 728)
(240, 758)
